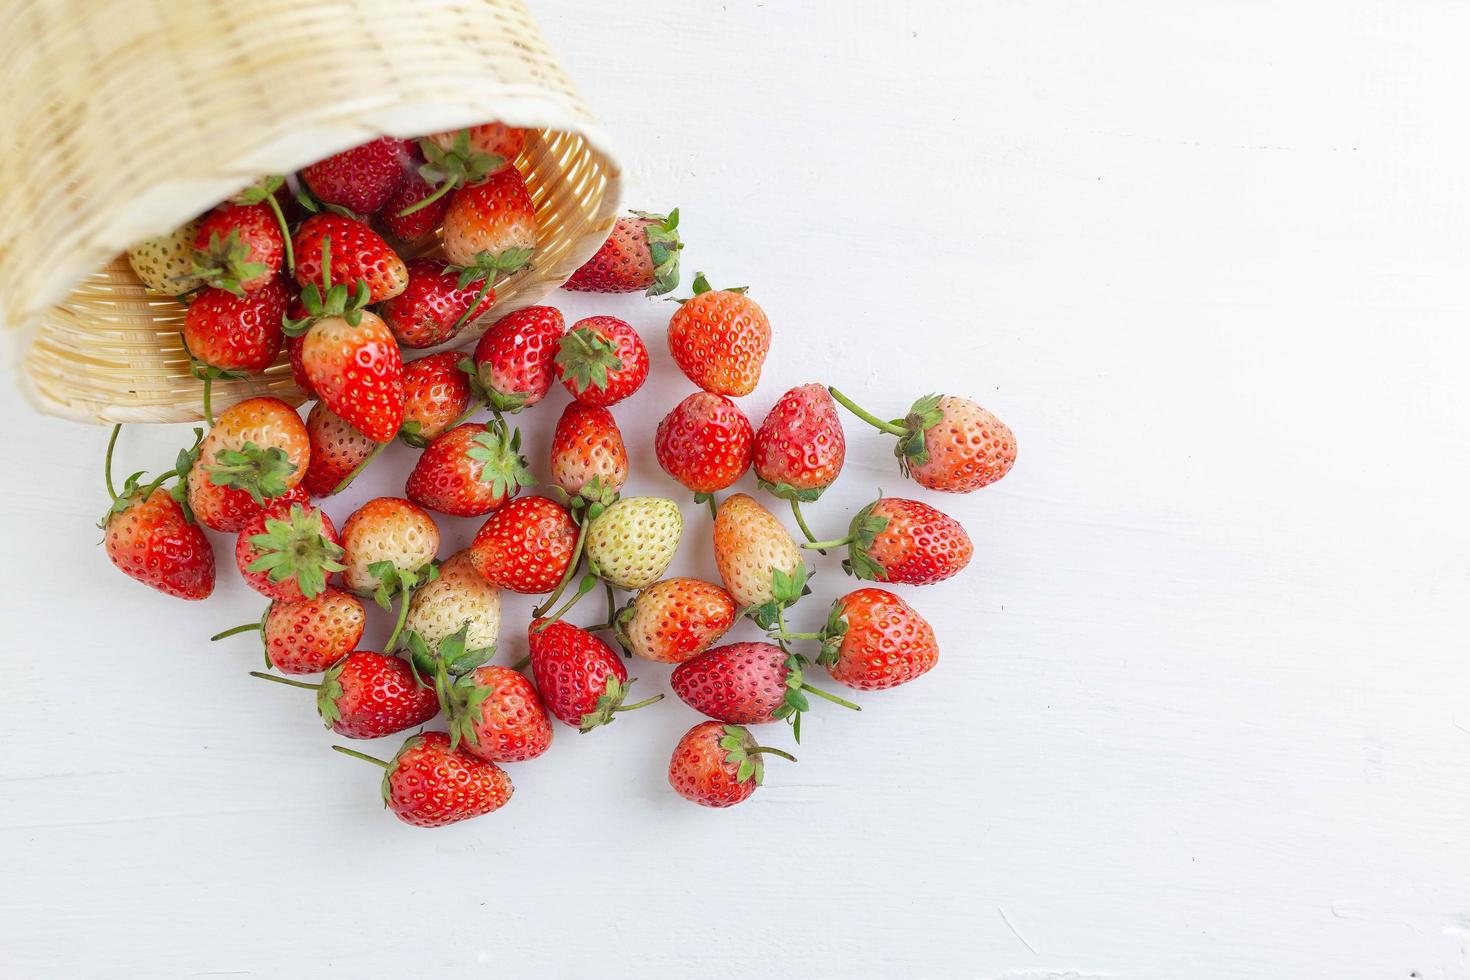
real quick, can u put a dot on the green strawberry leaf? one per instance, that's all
(297, 548)
(262, 473)
(501, 463)
(584, 357)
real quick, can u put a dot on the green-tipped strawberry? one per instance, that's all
(642, 252)
(458, 598)
(946, 443)
(904, 541)
(718, 765)
(288, 551)
(751, 547)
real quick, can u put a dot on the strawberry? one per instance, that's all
(641, 253)
(288, 551)
(800, 447)
(874, 640)
(293, 350)
(353, 251)
(493, 216)
(946, 443)
(720, 338)
(718, 765)
(748, 684)
(632, 542)
(458, 599)
(165, 264)
(601, 361)
(429, 784)
(258, 450)
(337, 450)
(469, 471)
(151, 539)
(526, 546)
(236, 334)
(581, 680)
(674, 620)
(361, 179)
(306, 636)
(494, 139)
(704, 443)
(433, 308)
(386, 530)
(514, 359)
(754, 553)
(436, 395)
(497, 715)
(451, 161)
(587, 452)
(239, 248)
(415, 211)
(368, 695)
(905, 541)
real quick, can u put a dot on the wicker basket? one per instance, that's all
(125, 118)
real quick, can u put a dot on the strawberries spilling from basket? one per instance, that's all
(399, 246)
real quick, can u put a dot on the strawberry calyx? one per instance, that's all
(452, 667)
(864, 530)
(398, 583)
(788, 492)
(786, 591)
(663, 250)
(589, 502)
(297, 548)
(744, 753)
(135, 491)
(262, 473)
(447, 169)
(832, 634)
(701, 286)
(485, 394)
(328, 300)
(584, 357)
(487, 268)
(225, 263)
(610, 702)
(501, 463)
(923, 415)
(453, 657)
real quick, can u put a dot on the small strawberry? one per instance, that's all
(494, 139)
(238, 248)
(675, 620)
(601, 361)
(720, 339)
(632, 542)
(361, 179)
(337, 451)
(755, 554)
(514, 359)
(429, 784)
(306, 636)
(492, 216)
(800, 447)
(386, 529)
(704, 443)
(904, 541)
(149, 537)
(587, 452)
(415, 211)
(368, 695)
(288, 551)
(433, 308)
(229, 336)
(946, 443)
(581, 680)
(641, 253)
(458, 599)
(526, 546)
(165, 264)
(272, 191)
(469, 471)
(258, 450)
(718, 765)
(436, 395)
(748, 684)
(493, 712)
(356, 253)
(874, 640)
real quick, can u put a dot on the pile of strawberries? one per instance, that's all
(398, 245)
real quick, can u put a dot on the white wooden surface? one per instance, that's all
(1203, 708)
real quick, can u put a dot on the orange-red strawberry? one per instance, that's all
(361, 179)
(946, 443)
(718, 765)
(150, 538)
(356, 368)
(704, 443)
(675, 620)
(587, 452)
(601, 361)
(748, 684)
(429, 784)
(434, 307)
(239, 248)
(257, 451)
(493, 216)
(288, 551)
(874, 640)
(436, 394)
(356, 252)
(641, 253)
(526, 546)
(307, 636)
(800, 447)
(236, 334)
(514, 359)
(494, 713)
(904, 541)
(581, 680)
(754, 552)
(720, 339)
(368, 695)
(469, 471)
(337, 449)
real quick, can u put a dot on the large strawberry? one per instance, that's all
(469, 471)
(581, 680)
(288, 551)
(718, 765)
(601, 361)
(905, 541)
(368, 695)
(458, 599)
(874, 640)
(758, 561)
(437, 394)
(800, 448)
(675, 620)
(748, 684)
(704, 443)
(587, 452)
(514, 359)
(229, 336)
(526, 546)
(239, 248)
(307, 636)
(150, 538)
(641, 253)
(353, 252)
(165, 263)
(946, 443)
(257, 451)
(493, 712)
(489, 218)
(631, 543)
(720, 339)
(429, 784)
(337, 451)
(434, 307)
(361, 179)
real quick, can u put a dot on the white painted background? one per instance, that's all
(1203, 708)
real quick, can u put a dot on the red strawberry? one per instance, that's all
(495, 714)
(675, 620)
(355, 366)
(257, 451)
(293, 349)
(422, 219)
(361, 179)
(493, 217)
(601, 361)
(704, 443)
(641, 253)
(150, 538)
(356, 253)
(581, 680)
(288, 551)
(468, 471)
(800, 447)
(946, 443)
(436, 394)
(434, 308)
(494, 139)
(874, 640)
(368, 695)
(337, 449)
(525, 546)
(428, 784)
(514, 359)
(308, 635)
(720, 339)
(718, 765)
(587, 452)
(905, 541)
(747, 684)
(236, 334)
(239, 248)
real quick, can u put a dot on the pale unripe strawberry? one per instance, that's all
(458, 598)
(967, 448)
(588, 446)
(632, 542)
(750, 547)
(676, 619)
(166, 264)
(386, 529)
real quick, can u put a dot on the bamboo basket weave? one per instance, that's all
(125, 118)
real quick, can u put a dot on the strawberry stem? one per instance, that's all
(612, 606)
(208, 411)
(797, 636)
(467, 414)
(107, 460)
(822, 546)
(521, 664)
(244, 628)
(867, 417)
(464, 317)
(403, 599)
(356, 470)
(801, 522)
(640, 704)
(567, 576)
(588, 583)
(359, 755)
(285, 680)
(830, 697)
(439, 192)
(285, 232)
(770, 751)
